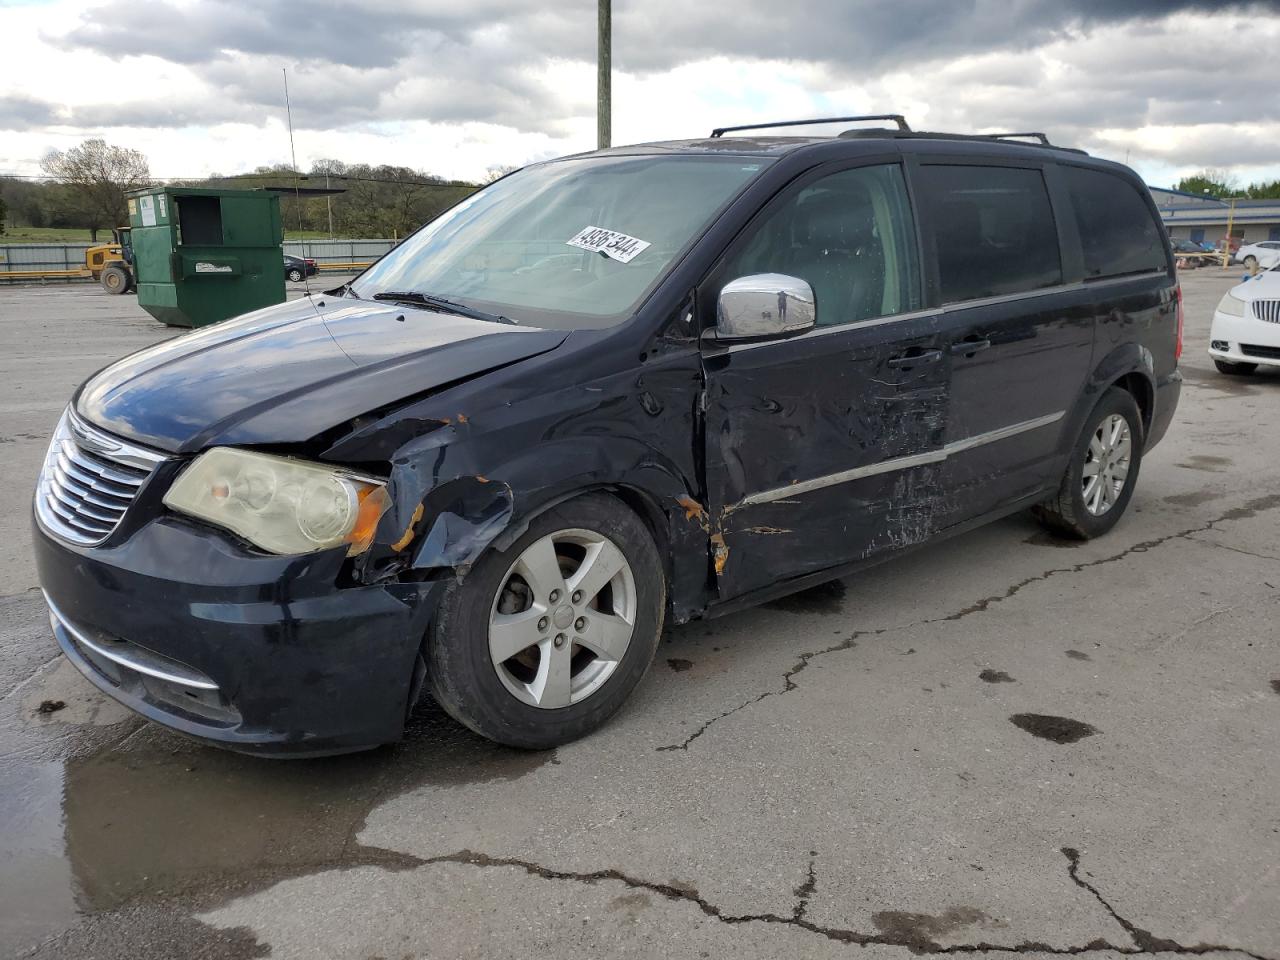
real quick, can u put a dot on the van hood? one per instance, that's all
(292, 371)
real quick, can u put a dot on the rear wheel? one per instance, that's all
(540, 643)
(1100, 476)
(115, 280)
(1235, 369)
(295, 274)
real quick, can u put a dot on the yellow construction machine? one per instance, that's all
(112, 263)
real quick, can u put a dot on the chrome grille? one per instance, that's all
(1268, 310)
(89, 480)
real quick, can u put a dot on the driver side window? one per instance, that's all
(851, 236)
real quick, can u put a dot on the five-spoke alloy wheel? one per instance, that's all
(563, 619)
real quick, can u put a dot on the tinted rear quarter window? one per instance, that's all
(1118, 232)
(993, 229)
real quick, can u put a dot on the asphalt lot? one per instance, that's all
(844, 773)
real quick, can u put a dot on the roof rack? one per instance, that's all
(895, 117)
(1035, 135)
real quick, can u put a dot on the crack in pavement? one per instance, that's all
(917, 941)
(1249, 510)
(788, 683)
(1247, 553)
(1146, 941)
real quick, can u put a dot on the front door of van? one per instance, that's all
(824, 448)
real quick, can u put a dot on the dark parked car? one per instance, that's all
(650, 383)
(297, 268)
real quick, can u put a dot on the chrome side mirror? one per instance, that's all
(764, 305)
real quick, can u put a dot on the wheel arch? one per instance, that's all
(461, 519)
(1130, 367)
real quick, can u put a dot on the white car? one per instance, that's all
(1266, 254)
(1246, 325)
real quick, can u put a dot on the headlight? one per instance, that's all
(282, 505)
(1230, 305)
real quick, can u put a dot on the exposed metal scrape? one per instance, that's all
(409, 530)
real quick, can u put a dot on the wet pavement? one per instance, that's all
(996, 745)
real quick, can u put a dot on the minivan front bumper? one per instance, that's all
(255, 653)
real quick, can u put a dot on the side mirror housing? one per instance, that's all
(764, 305)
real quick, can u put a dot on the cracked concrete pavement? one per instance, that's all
(1000, 744)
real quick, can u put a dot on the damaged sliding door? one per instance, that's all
(825, 448)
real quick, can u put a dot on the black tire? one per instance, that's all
(1234, 369)
(294, 274)
(1065, 513)
(115, 280)
(460, 671)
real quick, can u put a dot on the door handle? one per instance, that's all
(970, 347)
(909, 360)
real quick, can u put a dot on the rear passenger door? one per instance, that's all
(823, 448)
(1022, 327)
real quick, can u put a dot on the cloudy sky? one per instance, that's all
(457, 87)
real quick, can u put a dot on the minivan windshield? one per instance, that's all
(573, 244)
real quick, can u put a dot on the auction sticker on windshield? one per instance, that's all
(619, 246)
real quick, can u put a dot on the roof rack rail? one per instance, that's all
(895, 117)
(1034, 134)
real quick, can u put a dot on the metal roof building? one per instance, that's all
(1190, 216)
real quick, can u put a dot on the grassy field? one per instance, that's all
(50, 235)
(73, 235)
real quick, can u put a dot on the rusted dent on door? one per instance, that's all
(719, 552)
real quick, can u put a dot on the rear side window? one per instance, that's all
(993, 230)
(1118, 232)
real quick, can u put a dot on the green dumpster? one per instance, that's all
(201, 256)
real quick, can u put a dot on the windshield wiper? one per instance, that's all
(432, 302)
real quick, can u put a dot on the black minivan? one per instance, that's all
(640, 385)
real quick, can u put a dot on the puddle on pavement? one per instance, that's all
(995, 676)
(1057, 729)
(824, 598)
(164, 818)
(1207, 463)
(1193, 499)
(921, 931)
(1078, 655)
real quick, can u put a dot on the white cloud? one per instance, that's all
(451, 89)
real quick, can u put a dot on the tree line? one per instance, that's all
(86, 188)
(1221, 185)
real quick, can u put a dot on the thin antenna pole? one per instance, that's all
(604, 71)
(293, 160)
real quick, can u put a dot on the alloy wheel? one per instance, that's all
(1106, 464)
(562, 619)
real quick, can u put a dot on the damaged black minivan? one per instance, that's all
(607, 392)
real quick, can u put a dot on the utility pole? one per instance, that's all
(604, 69)
(1226, 243)
(328, 202)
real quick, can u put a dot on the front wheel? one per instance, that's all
(541, 643)
(1235, 369)
(295, 275)
(115, 280)
(1100, 476)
